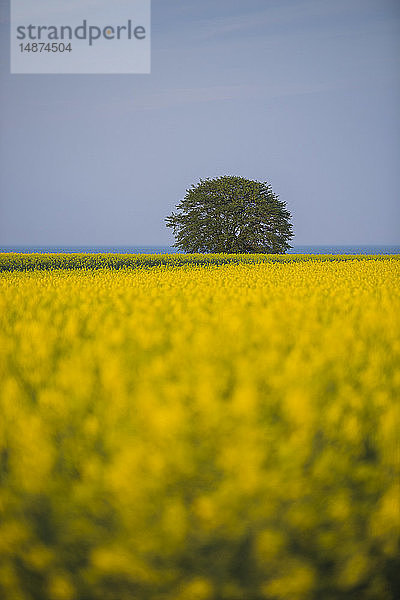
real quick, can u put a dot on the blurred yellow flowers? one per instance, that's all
(201, 432)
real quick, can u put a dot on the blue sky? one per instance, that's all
(303, 94)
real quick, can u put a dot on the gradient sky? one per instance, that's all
(304, 94)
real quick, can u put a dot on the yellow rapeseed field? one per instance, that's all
(214, 432)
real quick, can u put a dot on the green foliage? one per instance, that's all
(231, 215)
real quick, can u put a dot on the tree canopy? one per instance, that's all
(231, 215)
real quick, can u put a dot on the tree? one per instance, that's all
(231, 215)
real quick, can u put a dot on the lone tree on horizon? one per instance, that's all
(231, 215)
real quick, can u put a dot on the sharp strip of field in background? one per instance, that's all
(48, 262)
